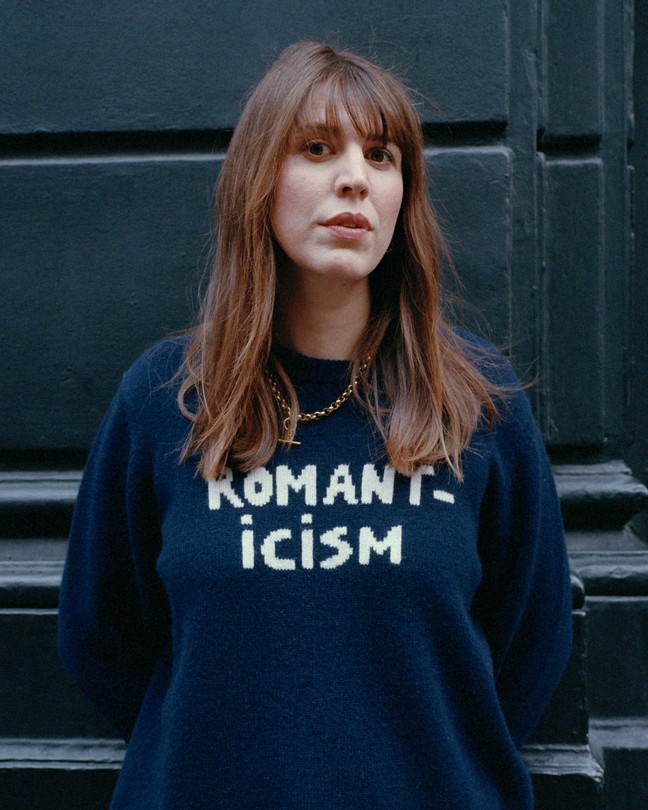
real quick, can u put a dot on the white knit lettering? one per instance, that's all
(247, 542)
(307, 542)
(369, 542)
(369, 545)
(307, 481)
(269, 550)
(341, 483)
(263, 486)
(222, 487)
(258, 487)
(415, 483)
(333, 538)
(373, 484)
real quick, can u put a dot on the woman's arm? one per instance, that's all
(113, 618)
(524, 603)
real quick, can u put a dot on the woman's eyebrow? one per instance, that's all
(316, 128)
(319, 128)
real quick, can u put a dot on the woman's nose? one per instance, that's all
(352, 178)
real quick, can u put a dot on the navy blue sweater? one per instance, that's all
(320, 633)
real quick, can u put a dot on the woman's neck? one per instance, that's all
(321, 317)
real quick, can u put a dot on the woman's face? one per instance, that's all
(337, 199)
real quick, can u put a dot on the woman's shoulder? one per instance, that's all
(489, 360)
(515, 425)
(155, 371)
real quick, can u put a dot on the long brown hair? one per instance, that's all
(423, 370)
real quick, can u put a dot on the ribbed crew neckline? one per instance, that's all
(304, 369)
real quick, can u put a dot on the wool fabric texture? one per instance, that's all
(321, 632)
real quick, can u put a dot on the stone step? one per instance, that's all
(618, 572)
(58, 774)
(614, 570)
(621, 746)
(616, 584)
(598, 496)
(565, 719)
(565, 777)
(37, 699)
(30, 571)
(55, 773)
(37, 503)
(618, 655)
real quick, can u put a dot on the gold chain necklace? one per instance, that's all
(315, 415)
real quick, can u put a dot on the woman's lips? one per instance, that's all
(345, 232)
(348, 225)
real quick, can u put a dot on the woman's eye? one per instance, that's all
(380, 155)
(316, 148)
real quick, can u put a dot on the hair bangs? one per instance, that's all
(373, 111)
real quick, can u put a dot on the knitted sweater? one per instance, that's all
(322, 632)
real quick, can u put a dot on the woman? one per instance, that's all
(317, 558)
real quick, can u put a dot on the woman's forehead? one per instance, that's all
(329, 108)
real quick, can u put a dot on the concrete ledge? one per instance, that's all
(562, 759)
(61, 753)
(37, 503)
(612, 573)
(619, 733)
(564, 777)
(598, 495)
(621, 744)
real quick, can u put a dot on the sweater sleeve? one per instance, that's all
(112, 609)
(524, 603)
